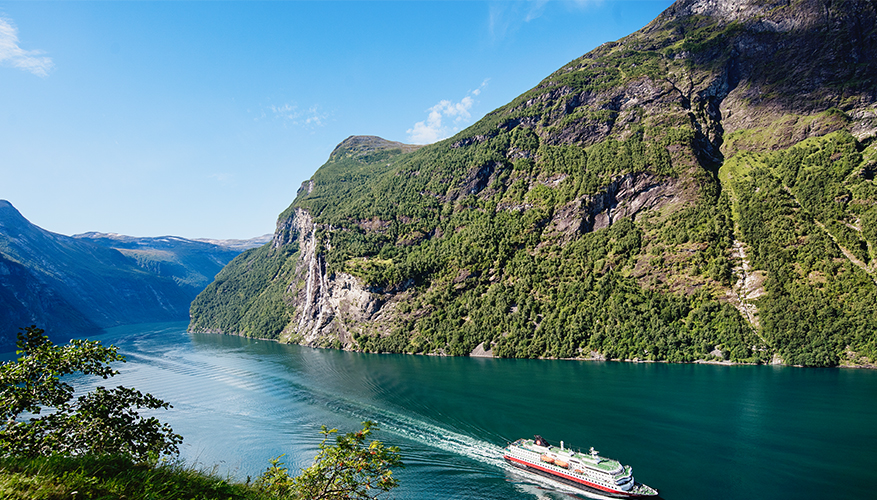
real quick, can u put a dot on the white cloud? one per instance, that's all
(13, 55)
(292, 114)
(436, 126)
(315, 116)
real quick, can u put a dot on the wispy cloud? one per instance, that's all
(221, 177)
(507, 16)
(292, 114)
(536, 8)
(444, 119)
(11, 54)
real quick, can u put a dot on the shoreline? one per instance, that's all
(870, 366)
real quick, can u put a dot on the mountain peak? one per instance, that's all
(6, 206)
(361, 145)
(731, 10)
(11, 219)
(771, 15)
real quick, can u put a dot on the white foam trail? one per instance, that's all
(396, 423)
(542, 487)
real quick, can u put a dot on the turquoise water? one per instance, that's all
(692, 431)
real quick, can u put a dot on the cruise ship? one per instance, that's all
(589, 472)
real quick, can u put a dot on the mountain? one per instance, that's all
(238, 245)
(73, 286)
(191, 263)
(702, 189)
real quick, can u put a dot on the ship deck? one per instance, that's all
(605, 464)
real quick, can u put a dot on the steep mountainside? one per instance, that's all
(701, 189)
(73, 286)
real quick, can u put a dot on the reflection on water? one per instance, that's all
(692, 431)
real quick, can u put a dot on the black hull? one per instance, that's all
(574, 484)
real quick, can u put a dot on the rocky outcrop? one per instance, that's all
(749, 286)
(289, 229)
(626, 196)
(740, 11)
(327, 307)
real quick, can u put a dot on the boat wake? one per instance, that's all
(290, 390)
(425, 433)
(289, 398)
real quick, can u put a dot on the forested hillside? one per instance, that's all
(702, 189)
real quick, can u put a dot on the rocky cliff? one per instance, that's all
(702, 189)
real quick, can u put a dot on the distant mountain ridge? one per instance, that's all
(113, 239)
(700, 190)
(189, 262)
(72, 286)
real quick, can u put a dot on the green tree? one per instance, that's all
(351, 468)
(39, 416)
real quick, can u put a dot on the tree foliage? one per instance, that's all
(41, 417)
(798, 211)
(246, 297)
(351, 468)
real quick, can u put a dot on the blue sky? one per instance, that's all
(202, 119)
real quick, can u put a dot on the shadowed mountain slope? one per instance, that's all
(73, 286)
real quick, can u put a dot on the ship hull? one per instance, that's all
(575, 483)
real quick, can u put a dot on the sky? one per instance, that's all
(202, 119)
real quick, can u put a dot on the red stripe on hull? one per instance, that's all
(571, 478)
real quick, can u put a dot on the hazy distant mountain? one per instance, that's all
(73, 286)
(191, 263)
(239, 245)
(702, 189)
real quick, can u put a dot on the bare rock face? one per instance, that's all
(290, 229)
(742, 11)
(326, 306)
(626, 196)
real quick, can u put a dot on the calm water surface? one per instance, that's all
(692, 431)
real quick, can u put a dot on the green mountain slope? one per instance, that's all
(699, 190)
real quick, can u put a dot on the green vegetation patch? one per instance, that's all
(110, 477)
(807, 214)
(248, 297)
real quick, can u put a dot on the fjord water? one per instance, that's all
(692, 431)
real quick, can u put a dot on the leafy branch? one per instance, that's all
(104, 421)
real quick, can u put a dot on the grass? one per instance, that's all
(114, 477)
(737, 168)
